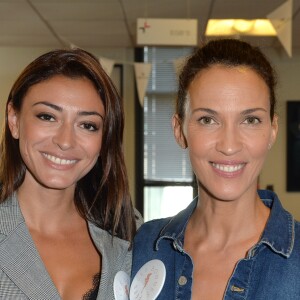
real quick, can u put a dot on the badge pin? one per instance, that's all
(146, 284)
(148, 281)
(121, 286)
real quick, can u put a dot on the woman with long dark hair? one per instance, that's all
(66, 217)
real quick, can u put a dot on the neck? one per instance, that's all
(47, 209)
(223, 223)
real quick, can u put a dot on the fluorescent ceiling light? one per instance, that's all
(262, 27)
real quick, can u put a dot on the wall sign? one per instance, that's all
(167, 32)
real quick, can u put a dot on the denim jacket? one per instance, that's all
(270, 271)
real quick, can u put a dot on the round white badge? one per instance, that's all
(121, 286)
(148, 281)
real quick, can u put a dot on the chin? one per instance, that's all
(57, 184)
(224, 194)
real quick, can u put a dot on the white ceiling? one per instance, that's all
(112, 23)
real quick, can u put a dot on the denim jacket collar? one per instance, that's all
(278, 234)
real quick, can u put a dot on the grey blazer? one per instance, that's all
(22, 272)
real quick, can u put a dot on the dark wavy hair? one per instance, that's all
(230, 53)
(102, 196)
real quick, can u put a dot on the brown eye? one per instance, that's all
(89, 126)
(206, 120)
(46, 117)
(252, 120)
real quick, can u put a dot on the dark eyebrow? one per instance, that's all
(207, 110)
(55, 107)
(252, 110)
(245, 112)
(90, 113)
(60, 109)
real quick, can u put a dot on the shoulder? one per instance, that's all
(294, 257)
(150, 230)
(9, 203)
(144, 243)
(154, 225)
(138, 218)
(171, 226)
(10, 215)
(297, 231)
(297, 225)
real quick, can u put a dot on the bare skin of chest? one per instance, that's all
(213, 268)
(71, 260)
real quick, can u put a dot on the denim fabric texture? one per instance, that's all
(270, 271)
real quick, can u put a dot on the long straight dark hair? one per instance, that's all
(102, 196)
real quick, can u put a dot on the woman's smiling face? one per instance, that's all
(60, 129)
(228, 129)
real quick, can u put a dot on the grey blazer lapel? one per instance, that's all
(19, 258)
(115, 257)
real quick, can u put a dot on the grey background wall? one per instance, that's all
(13, 60)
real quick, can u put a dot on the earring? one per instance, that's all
(269, 146)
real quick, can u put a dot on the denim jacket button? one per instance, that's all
(182, 280)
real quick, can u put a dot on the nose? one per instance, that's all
(229, 141)
(64, 137)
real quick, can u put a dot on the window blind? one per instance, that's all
(164, 160)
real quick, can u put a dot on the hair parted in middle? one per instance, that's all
(102, 196)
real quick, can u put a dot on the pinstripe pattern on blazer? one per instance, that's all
(22, 272)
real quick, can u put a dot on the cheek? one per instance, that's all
(200, 143)
(30, 136)
(258, 146)
(199, 152)
(29, 130)
(27, 136)
(259, 150)
(93, 146)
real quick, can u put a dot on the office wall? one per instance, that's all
(13, 60)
